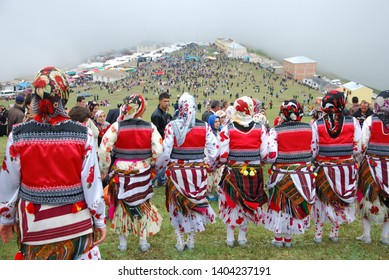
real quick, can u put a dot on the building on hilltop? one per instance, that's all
(231, 48)
(299, 67)
(352, 89)
(222, 44)
(109, 76)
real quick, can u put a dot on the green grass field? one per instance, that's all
(210, 245)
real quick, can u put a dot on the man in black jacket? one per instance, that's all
(160, 118)
(113, 114)
(363, 112)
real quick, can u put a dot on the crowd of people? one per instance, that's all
(90, 168)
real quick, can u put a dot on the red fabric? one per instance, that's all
(345, 138)
(43, 163)
(134, 138)
(378, 135)
(294, 141)
(194, 139)
(245, 141)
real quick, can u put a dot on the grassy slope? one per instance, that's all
(210, 244)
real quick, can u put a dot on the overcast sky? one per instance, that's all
(347, 38)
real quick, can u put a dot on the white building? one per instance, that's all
(108, 76)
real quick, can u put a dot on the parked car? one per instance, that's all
(7, 93)
(85, 94)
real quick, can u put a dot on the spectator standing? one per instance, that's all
(215, 106)
(16, 113)
(362, 113)
(160, 118)
(355, 106)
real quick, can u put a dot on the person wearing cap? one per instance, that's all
(339, 144)
(373, 184)
(50, 181)
(127, 154)
(291, 184)
(16, 113)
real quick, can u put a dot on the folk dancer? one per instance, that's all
(373, 185)
(59, 208)
(291, 184)
(131, 145)
(183, 153)
(245, 146)
(339, 142)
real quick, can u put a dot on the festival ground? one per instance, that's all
(211, 243)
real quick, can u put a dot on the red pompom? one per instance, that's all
(19, 256)
(30, 208)
(78, 206)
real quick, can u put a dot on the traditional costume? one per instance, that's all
(57, 205)
(183, 154)
(245, 146)
(291, 183)
(131, 145)
(339, 141)
(373, 185)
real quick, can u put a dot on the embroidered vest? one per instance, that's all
(133, 140)
(193, 146)
(294, 142)
(379, 141)
(341, 146)
(51, 161)
(245, 146)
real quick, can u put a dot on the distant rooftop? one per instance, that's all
(353, 86)
(299, 59)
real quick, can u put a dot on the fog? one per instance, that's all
(347, 38)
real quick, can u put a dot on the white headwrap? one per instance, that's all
(186, 118)
(243, 111)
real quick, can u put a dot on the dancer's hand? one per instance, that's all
(99, 235)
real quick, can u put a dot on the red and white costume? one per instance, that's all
(373, 184)
(245, 146)
(50, 179)
(183, 154)
(134, 144)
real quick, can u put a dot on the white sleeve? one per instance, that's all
(269, 146)
(212, 144)
(167, 146)
(156, 144)
(9, 184)
(224, 138)
(357, 147)
(106, 146)
(315, 141)
(91, 183)
(366, 133)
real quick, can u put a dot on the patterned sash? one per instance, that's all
(186, 187)
(42, 224)
(341, 178)
(299, 183)
(132, 186)
(379, 168)
(247, 190)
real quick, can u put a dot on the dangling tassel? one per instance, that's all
(30, 208)
(19, 256)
